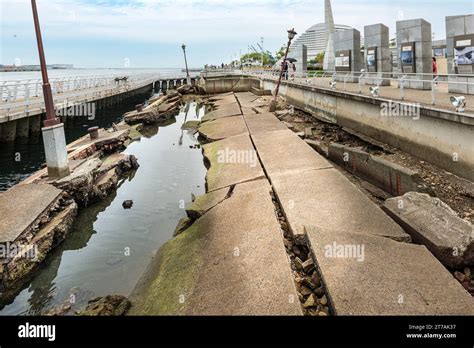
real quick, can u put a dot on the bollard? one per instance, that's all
(93, 132)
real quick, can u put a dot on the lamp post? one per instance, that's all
(53, 130)
(188, 78)
(291, 35)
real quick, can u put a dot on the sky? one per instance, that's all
(149, 33)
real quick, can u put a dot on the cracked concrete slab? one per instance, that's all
(232, 161)
(283, 152)
(370, 275)
(229, 262)
(223, 128)
(434, 224)
(223, 111)
(265, 122)
(327, 199)
(21, 206)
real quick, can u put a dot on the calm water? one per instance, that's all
(109, 247)
(32, 75)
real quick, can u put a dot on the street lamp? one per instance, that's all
(53, 130)
(188, 78)
(291, 35)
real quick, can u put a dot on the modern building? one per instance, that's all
(315, 39)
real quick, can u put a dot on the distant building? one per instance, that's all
(315, 39)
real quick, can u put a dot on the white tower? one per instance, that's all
(329, 58)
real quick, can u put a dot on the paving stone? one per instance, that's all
(223, 111)
(283, 152)
(232, 161)
(265, 122)
(223, 128)
(371, 275)
(327, 199)
(231, 261)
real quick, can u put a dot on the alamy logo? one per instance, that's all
(237, 157)
(76, 110)
(393, 109)
(37, 331)
(345, 251)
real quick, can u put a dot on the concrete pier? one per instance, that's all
(23, 127)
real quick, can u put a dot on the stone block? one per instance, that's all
(434, 224)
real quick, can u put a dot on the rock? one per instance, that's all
(461, 277)
(298, 264)
(301, 134)
(319, 291)
(310, 301)
(134, 162)
(296, 250)
(110, 305)
(322, 314)
(434, 224)
(324, 300)
(288, 125)
(127, 204)
(315, 280)
(308, 265)
(467, 272)
(305, 291)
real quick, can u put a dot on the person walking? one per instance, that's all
(284, 67)
(434, 66)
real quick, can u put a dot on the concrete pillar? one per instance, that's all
(329, 58)
(8, 131)
(55, 151)
(300, 53)
(23, 127)
(459, 31)
(415, 33)
(376, 43)
(347, 44)
(35, 124)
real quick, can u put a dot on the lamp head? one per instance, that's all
(291, 34)
(183, 47)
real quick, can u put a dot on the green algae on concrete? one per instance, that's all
(231, 161)
(189, 125)
(229, 262)
(204, 203)
(170, 277)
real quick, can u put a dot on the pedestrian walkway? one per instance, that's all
(232, 259)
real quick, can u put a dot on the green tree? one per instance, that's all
(255, 58)
(280, 53)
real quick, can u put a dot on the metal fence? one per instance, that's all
(24, 96)
(375, 79)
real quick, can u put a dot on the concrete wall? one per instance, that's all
(234, 83)
(419, 32)
(377, 35)
(457, 26)
(440, 137)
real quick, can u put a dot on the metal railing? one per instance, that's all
(399, 79)
(17, 90)
(25, 96)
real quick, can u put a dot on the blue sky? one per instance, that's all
(149, 33)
